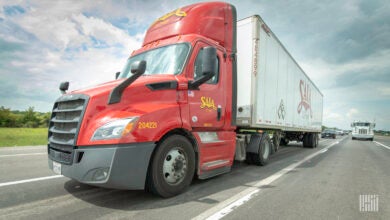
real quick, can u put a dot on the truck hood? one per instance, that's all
(106, 88)
(142, 99)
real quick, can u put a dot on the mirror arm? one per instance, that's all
(194, 85)
(116, 93)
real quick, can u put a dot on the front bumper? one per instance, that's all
(115, 166)
(362, 136)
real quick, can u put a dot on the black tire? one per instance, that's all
(353, 138)
(314, 140)
(248, 158)
(178, 156)
(261, 158)
(305, 140)
(310, 140)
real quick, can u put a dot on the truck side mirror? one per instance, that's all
(138, 67)
(208, 67)
(64, 86)
(117, 75)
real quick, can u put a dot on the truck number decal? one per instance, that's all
(147, 125)
(207, 103)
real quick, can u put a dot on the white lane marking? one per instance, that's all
(40, 147)
(382, 145)
(227, 206)
(30, 180)
(324, 150)
(234, 205)
(15, 155)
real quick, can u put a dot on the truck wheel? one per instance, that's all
(316, 140)
(310, 140)
(248, 158)
(261, 158)
(305, 140)
(172, 167)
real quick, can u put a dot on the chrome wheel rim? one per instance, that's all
(175, 166)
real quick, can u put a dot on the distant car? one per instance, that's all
(340, 132)
(328, 133)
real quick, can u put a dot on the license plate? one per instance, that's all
(57, 168)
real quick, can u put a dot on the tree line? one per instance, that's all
(23, 119)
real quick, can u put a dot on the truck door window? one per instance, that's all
(198, 69)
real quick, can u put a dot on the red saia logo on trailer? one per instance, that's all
(305, 103)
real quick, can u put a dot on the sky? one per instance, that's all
(343, 46)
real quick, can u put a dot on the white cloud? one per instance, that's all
(352, 113)
(325, 74)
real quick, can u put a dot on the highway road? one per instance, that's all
(341, 179)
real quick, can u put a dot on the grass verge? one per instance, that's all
(10, 137)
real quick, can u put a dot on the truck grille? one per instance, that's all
(65, 121)
(362, 131)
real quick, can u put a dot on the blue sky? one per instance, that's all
(344, 46)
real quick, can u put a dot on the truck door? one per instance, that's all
(207, 105)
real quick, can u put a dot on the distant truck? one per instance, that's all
(363, 130)
(201, 92)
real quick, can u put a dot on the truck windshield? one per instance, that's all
(362, 124)
(164, 60)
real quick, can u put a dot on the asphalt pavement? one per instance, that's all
(328, 182)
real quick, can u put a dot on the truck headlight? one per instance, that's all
(115, 129)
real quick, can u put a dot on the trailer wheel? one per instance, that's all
(172, 167)
(316, 140)
(305, 140)
(261, 158)
(310, 140)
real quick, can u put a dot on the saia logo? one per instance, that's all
(305, 103)
(207, 103)
(177, 13)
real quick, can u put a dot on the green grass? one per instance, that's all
(10, 137)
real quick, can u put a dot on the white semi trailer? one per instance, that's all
(273, 90)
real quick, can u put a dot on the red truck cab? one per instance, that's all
(169, 116)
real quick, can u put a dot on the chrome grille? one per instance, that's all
(362, 131)
(65, 121)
